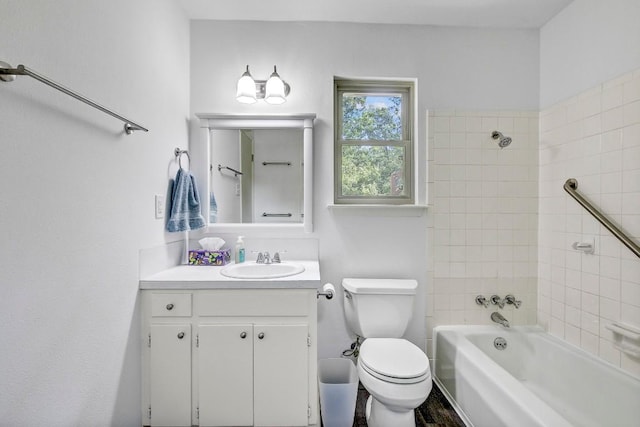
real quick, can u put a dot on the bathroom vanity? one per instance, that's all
(220, 351)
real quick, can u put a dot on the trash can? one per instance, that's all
(338, 379)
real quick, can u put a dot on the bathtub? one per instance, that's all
(537, 380)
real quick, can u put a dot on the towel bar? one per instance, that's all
(8, 74)
(220, 167)
(276, 163)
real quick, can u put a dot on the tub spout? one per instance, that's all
(499, 318)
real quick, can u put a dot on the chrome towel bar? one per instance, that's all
(276, 163)
(8, 74)
(570, 186)
(220, 168)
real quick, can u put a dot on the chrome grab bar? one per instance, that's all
(7, 74)
(570, 186)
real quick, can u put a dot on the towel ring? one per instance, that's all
(178, 152)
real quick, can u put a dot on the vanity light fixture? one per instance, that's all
(273, 91)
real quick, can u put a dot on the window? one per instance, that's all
(373, 142)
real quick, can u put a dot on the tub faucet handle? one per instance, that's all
(510, 299)
(495, 300)
(481, 300)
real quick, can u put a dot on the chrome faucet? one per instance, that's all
(499, 318)
(481, 300)
(510, 299)
(265, 258)
(495, 300)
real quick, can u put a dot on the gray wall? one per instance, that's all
(78, 200)
(589, 42)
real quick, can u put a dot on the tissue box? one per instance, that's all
(202, 257)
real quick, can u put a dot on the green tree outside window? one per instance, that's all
(373, 145)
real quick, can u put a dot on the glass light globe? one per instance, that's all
(246, 89)
(274, 91)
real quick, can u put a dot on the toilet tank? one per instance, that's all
(379, 308)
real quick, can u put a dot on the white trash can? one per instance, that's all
(338, 379)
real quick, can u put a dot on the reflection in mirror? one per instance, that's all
(257, 176)
(257, 171)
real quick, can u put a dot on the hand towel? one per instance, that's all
(185, 204)
(213, 209)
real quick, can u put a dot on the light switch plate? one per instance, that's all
(159, 206)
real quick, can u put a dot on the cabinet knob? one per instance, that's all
(261, 335)
(180, 335)
(243, 335)
(169, 306)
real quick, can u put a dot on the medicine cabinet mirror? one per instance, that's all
(255, 171)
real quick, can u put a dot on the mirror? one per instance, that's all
(259, 170)
(257, 176)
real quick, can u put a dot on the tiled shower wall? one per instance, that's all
(595, 138)
(482, 216)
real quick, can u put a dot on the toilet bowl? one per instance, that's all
(394, 371)
(397, 376)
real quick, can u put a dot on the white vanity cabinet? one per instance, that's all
(236, 357)
(168, 341)
(261, 379)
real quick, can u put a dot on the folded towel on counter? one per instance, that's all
(185, 204)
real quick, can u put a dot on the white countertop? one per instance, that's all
(209, 277)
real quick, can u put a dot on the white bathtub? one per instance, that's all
(537, 380)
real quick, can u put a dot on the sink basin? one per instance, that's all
(252, 270)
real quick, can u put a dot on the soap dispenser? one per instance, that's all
(240, 250)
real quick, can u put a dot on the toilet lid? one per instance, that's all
(393, 358)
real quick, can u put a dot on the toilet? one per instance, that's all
(394, 371)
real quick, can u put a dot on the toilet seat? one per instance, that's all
(394, 360)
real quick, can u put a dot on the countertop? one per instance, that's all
(209, 277)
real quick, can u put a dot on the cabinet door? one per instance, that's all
(225, 376)
(170, 374)
(281, 377)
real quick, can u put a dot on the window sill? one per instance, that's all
(378, 210)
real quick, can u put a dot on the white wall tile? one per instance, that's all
(486, 198)
(603, 154)
(612, 119)
(612, 97)
(609, 353)
(441, 124)
(631, 113)
(631, 90)
(589, 342)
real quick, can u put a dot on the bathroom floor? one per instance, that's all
(436, 411)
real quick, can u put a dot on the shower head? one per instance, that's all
(503, 141)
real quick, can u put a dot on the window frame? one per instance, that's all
(371, 87)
